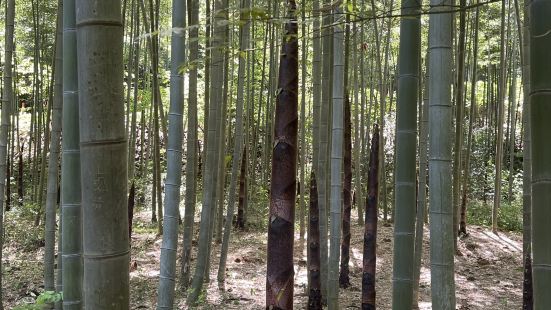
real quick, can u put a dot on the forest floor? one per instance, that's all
(488, 274)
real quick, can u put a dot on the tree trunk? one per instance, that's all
(167, 277)
(157, 157)
(71, 211)
(303, 159)
(191, 146)
(8, 184)
(499, 121)
(358, 121)
(6, 112)
(131, 52)
(466, 177)
(272, 86)
(280, 273)
(322, 172)
(382, 98)
(104, 155)
(53, 159)
(382, 109)
(208, 56)
(316, 86)
(223, 140)
(458, 145)
(151, 155)
(406, 147)
(59, 275)
(370, 228)
(512, 124)
(314, 285)
(212, 144)
(421, 189)
(344, 279)
(239, 156)
(440, 119)
(33, 132)
(133, 133)
(528, 297)
(540, 77)
(20, 190)
(240, 222)
(337, 138)
(131, 205)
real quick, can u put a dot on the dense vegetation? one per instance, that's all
(202, 119)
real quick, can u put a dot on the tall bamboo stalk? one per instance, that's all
(104, 155)
(191, 145)
(167, 277)
(539, 101)
(474, 78)
(314, 280)
(6, 112)
(459, 107)
(212, 145)
(500, 116)
(71, 212)
(238, 140)
(440, 118)
(369, 262)
(53, 170)
(280, 272)
(527, 290)
(337, 137)
(406, 147)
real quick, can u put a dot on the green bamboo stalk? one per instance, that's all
(53, 171)
(104, 155)
(337, 137)
(513, 123)
(526, 166)
(133, 133)
(70, 167)
(303, 159)
(238, 140)
(316, 84)
(406, 147)
(6, 112)
(324, 145)
(212, 145)
(459, 104)
(440, 120)
(500, 116)
(357, 89)
(191, 146)
(539, 101)
(167, 277)
(421, 190)
(465, 186)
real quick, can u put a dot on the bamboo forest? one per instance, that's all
(275, 154)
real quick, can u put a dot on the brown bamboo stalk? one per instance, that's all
(280, 273)
(370, 232)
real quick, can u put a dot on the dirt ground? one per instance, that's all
(488, 275)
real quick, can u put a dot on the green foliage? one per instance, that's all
(509, 215)
(350, 7)
(43, 301)
(17, 223)
(201, 299)
(254, 13)
(49, 297)
(257, 209)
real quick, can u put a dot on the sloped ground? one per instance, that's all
(488, 275)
